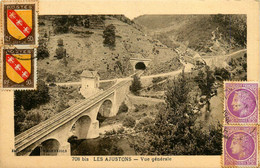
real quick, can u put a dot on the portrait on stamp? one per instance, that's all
(241, 102)
(18, 68)
(19, 24)
(240, 145)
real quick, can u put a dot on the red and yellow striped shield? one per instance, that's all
(18, 67)
(19, 23)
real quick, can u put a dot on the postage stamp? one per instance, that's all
(240, 146)
(18, 70)
(19, 22)
(241, 105)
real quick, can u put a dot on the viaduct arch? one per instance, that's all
(49, 147)
(79, 120)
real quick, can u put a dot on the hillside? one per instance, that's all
(85, 49)
(205, 34)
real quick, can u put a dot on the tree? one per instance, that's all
(109, 36)
(136, 85)
(174, 131)
(31, 99)
(27, 100)
(236, 24)
(42, 51)
(122, 108)
(61, 25)
(60, 51)
(222, 73)
(50, 78)
(205, 81)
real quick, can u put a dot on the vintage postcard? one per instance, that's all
(133, 84)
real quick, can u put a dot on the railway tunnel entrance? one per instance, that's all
(139, 63)
(140, 66)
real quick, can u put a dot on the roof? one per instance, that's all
(197, 56)
(89, 74)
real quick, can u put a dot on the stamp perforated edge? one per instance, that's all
(225, 124)
(257, 148)
(224, 98)
(19, 46)
(34, 73)
(3, 46)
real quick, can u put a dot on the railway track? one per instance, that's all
(33, 134)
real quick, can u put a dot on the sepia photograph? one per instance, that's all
(119, 85)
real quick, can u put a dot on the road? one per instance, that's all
(229, 55)
(187, 66)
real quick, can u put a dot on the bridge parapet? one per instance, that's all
(43, 129)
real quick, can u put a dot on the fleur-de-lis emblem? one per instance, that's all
(26, 30)
(11, 60)
(25, 74)
(18, 67)
(12, 15)
(19, 22)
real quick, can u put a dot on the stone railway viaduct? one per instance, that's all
(50, 137)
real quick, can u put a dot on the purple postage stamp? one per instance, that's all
(240, 146)
(241, 102)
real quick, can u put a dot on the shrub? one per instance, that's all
(110, 132)
(100, 118)
(32, 118)
(35, 117)
(41, 24)
(129, 121)
(222, 73)
(115, 150)
(61, 106)
(109, 36)
(61, 25)
(136, 85)
(144, 123)
(42, 52)
(123, 108)
(140, 107)
(158, 79)
(120, 130)
(61, 29)
(60, 52)
(31, 99)
(50, 78)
